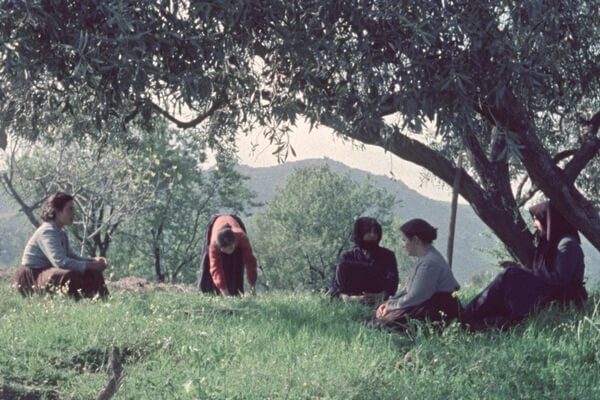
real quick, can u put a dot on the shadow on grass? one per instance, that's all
(21, 392)
(95, 360)
(324, 317)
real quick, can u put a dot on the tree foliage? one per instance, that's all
(514, 85)
(506, 83)
(301, 233)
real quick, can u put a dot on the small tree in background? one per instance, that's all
(168, 236)
(108, 184)
(301, 233)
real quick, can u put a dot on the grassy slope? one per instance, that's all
(297, 346)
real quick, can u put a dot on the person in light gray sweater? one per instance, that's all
(49, 245)
(428, 294)
(49, 263)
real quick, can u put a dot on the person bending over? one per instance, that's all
(226, 252)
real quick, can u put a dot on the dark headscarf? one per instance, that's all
(556, 227)
(364, 225)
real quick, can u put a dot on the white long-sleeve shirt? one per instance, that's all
(431, 274)
(49, 246)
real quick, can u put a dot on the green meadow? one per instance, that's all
(183, 345)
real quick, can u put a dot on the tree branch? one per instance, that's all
(558, 157)
(546, 175)
(116, 371)
(588, 150)
(498, 144)
(27, 210)
(220, 101)
(478, 158)
(501, 216)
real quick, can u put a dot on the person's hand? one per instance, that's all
(381, 310)
(102, 260)
(96, 265)
(508, 263)
(362, 298)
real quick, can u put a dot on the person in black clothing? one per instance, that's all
(368, 271)
(554, 274)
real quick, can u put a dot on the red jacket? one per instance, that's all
(243, 243)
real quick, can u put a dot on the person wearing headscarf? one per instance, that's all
(555, 273)
(225, 255)
(367, 270)
(428, 294)
(49, 263)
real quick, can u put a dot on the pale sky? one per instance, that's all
(321, 142)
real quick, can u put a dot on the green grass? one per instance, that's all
(278, 346)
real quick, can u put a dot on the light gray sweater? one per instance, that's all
(431, 274)
(49, 245)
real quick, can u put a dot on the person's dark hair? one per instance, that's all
(225, 237)
(54, 204)
(421, 229)
(556, 227)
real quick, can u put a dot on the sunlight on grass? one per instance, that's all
(282, 345)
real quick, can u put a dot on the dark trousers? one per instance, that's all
(357, 278)
(442, 308)
(233, 269)
(48, 279)
(513, 295)
(509, 298)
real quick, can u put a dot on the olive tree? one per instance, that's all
(514, 86)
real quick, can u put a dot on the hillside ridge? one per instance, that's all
(473, 242)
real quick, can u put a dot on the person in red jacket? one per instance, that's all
(227, 251)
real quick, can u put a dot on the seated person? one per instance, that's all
(226, 252)
(48, 261)
(368, 271)
(428, 292)
(555, 273)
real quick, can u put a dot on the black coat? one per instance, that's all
(359, 273)
(516, 292)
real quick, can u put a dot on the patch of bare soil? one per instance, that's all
(137, 285)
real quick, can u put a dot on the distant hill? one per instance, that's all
(473, 238)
